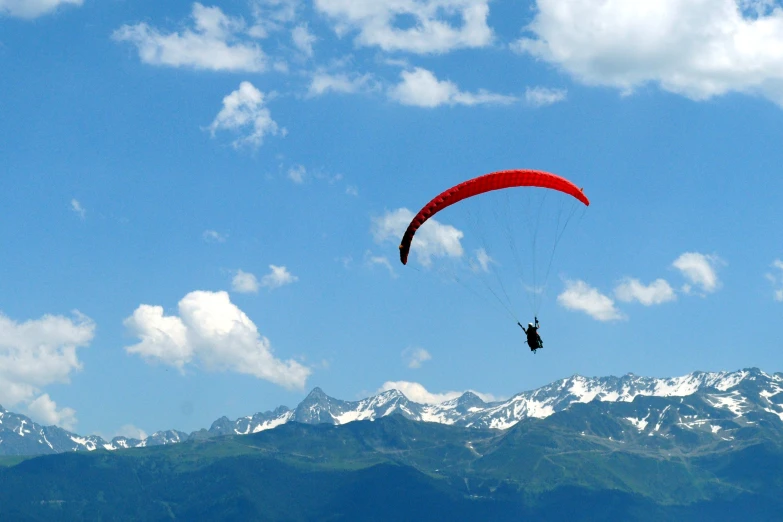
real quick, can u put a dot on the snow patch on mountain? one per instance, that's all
(351, 416)
(733, 402)
(43, 436)
(81, 441)
(779, 414)
(639, 423)
(273, 423)
(435, 414)
(21, 431)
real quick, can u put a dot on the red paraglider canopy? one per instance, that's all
(486, 183)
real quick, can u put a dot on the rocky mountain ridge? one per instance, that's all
(713, 403)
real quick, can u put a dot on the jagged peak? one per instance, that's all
(394, 392)
(222, 421)
(316, 393)
(469, 399)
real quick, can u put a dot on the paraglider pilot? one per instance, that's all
(533, 339)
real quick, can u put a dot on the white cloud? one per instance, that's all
(699, 49)
(277, 10)
(428, 28)
(323, 82)
(163, 338)
(39, 352)
(483, 259)
(777, 279)
(421, 88)
(244, 283)
(699, 270)
(352, 190)
(215, 334)
(419, 394)
(279, 276)
(657, 292)
(542, 96)
(244, 109)
(303, 39)
(272, 15)
(433, 239)
(44, 411)
(129, 431)
(33, 8)
(580, 296)
(297, 174)
(78, 209)
(212, 236)
(379, 260)
(414, 357)
(215, 43)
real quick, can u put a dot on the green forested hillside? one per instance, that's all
(574, 465)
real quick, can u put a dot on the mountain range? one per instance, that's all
(713, 405)
(702, 447)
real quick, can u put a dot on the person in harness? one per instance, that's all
(533, 339)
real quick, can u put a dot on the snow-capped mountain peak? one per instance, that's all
(711, 402)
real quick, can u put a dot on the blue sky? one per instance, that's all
(201, 203)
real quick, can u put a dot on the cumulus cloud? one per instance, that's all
(698, 49)
(419, 394)
(244, 110)
(303, 39)
(657, 292)
(699, 270)
(414, 357)
(215, 43)
(39, 352)
(33, 8)
(323, 82)
(244, 283)
(277, 277)
(78, 209)
(420, 88)
(213, 236)
(44, 411)
(428, 23)
(580, 296)
(433, 239)
(776, 279)
(213, 333)
(542, 96)
(163, 338)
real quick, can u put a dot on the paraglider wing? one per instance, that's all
(486, 183)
